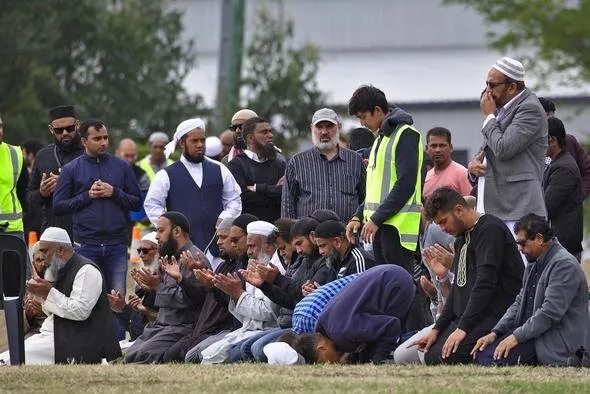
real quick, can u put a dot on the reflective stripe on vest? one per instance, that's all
(145, 165)
(380, 180)
(10, 209)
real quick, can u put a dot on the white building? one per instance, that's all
(430, 59)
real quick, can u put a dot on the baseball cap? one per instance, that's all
(325, 114)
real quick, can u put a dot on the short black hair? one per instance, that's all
(284, 226)
(443, 199)
(249, 125)
(366, 98)
(306, 345)
(548, 105)
(361, 138)
(33, 146)
(92, 122)
(532, 225)
(439, 132)
(556, 129)
(303, 227)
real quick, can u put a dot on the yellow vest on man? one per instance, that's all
(145, 165)
(11, 165)
(381, 177)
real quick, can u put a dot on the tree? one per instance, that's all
(280, 80)
(557, 30)
(120, 60)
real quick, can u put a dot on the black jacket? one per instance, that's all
(562, 188)
(46, 162)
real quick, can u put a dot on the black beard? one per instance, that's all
(169, 248)
(70, 146)
(266, 151)
(193, 159)
(240, 143)
(334, 259)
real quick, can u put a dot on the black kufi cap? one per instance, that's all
(329, 229)
(62, 111)
(321, 215)
(178, 219)
(244, 220)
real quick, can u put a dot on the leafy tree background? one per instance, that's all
(119, 60)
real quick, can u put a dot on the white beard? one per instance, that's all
(325, 145)
(55, 266)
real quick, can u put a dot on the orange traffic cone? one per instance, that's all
(32, 238)
(135, 244)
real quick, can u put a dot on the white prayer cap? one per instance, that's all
(183, 128)
(510, 67)
(280, 353)
(261, 227)
(244, 114)
(159, 136)
(55, 234)
(213, 146)
(150, 237)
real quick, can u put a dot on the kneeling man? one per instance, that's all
(79, 327)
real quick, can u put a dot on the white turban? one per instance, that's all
(150, 237)
(55, 234)
(183, 128)
(260, 227)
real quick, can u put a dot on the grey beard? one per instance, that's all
(264, 258)
(55, 266)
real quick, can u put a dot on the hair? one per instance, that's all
(548, 105)
(249, 125)
(439, 132)
(303, 227)
(284, 226)
(557, 130)
(306, 345)
(519, 84)
(532, 225)
(33, 146)
(85, 127)
(366, 98)
(361, 138)
(443, 199)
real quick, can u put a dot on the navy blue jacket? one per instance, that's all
(100, 221)
(367, 316)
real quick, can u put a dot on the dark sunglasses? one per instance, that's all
(144, 250)
(493, 85)
(234, 127)
(60, 130)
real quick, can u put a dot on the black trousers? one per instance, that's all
(387, 249)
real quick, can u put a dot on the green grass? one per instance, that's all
(265, 378)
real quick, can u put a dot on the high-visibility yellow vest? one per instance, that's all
(145, 165)
(382, 175)
(11, 165)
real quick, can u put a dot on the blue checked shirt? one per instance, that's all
(307, 311)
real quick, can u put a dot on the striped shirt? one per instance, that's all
(313, 182)
(307, 311)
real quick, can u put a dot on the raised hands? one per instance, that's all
(439, 260)
(146, 279)
(230, 284)
(136, 304)
(190, 262)
(117, 301)
(172, 268)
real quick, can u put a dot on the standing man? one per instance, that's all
(446, 171)
(325, 176)
(488, 275)
(156, 160)
(509, 168)
(238, 139)
(562, 187)
(100, 190)
(200, 188)
(258, 171)
(391, 210)
(49, 162)
(13, 187)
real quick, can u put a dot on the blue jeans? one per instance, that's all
(112, 261)
(257, 348)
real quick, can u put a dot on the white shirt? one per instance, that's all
(86, 290)
(155, 201)
(253, 156)
(481, 181)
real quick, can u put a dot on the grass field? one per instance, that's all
(265, 378)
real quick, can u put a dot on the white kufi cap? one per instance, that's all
(510, 67)
(55, 234)
(280, 353)
(213, 146)
(261, 227)
(150, 237)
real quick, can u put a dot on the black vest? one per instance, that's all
(90, 340)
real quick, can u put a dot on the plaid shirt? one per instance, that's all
(307, 311)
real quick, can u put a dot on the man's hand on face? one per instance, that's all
(116, 300)
(230, 284)
(487, 104)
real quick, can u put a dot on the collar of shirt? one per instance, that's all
(508, 104)
(189, 164)
(338, 155)
(253, 156)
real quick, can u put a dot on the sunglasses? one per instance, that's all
(60, 130)
(234, 127)
(144, 250)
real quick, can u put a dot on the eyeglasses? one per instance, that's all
(234, 127)
(493, 85)
(60, 130)
(144, 250)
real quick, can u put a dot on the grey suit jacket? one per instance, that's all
(515, 147)
(561, 322)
